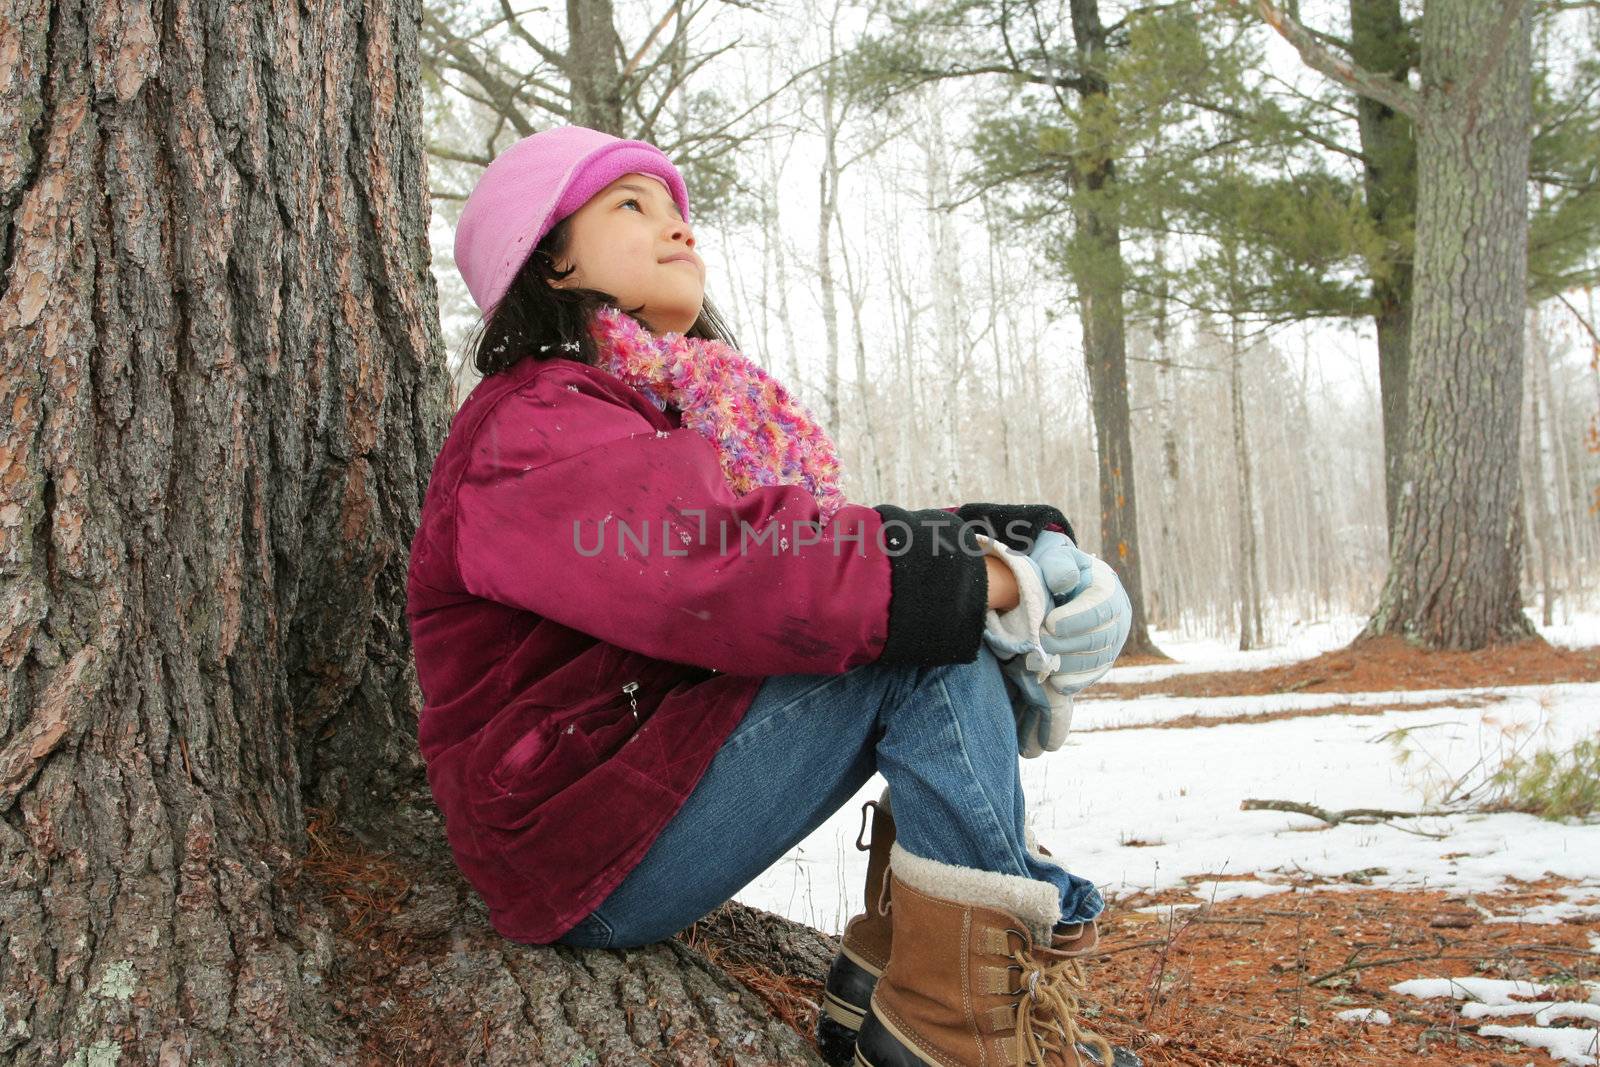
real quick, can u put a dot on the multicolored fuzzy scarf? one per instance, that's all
(763, 435)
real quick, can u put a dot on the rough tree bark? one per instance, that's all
(1456, 560)
(223, 389)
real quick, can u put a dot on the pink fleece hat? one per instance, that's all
(535, 184)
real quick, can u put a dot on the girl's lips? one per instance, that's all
(682, 259)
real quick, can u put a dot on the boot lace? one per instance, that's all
(1050, 998)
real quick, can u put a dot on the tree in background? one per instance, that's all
(1455, 563)
(1078, 159)
(1319, 129)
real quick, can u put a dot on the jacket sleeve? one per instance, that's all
(1016, 525)
(633, 536)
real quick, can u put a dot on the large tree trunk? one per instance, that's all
(1099, 275)
(1380, 42)
(1456, 557)
(224, 389)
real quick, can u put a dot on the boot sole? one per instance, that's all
(845, 996)
(881, 1044)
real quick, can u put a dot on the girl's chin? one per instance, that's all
(678, 320)
(670, 323)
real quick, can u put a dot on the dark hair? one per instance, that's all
(533, 313)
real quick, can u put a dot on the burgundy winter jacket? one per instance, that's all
(588, 626)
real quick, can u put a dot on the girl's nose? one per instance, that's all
(681, 229)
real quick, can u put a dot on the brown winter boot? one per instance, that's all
(864, 949)
(970, 981)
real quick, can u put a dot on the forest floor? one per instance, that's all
(1265, 981)
(1232, 968)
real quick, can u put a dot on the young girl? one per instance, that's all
(658, 648)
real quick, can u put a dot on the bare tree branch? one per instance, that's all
(1359, 816)
(439, 151)
(649, 40)
(715, 134)
(456, 54)
(1397, 95)
(554, 58)
(1585, 323)
(1307, 132)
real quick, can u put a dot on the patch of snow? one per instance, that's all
(1570, 1045)
(1543, 1011)
(1209, 891)
(1376, 1016)
(1304, 641)
(1493, 991)
(1583, 631)
(1549, 914)
(1495, 998)
(1098, 714)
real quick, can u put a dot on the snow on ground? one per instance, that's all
(1150, 808)
(1581, 631)
(1491, 998)
(1097, 714)
(1301, 641)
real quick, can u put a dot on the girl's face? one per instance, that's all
(630, 241)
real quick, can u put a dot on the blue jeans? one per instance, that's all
(944, 739)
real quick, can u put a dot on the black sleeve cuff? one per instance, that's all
(938, 587)
(1016, 525)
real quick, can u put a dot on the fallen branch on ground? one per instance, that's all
(1358, 816)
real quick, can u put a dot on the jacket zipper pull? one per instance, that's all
(633, 705)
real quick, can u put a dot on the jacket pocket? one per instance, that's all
(542, 751)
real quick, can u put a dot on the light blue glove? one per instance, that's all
(1066, 569)
(1042, 713)
(1088, 631)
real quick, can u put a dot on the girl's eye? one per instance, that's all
(633, 201)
